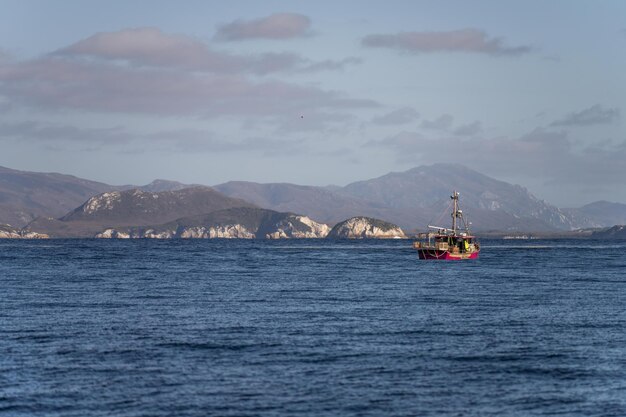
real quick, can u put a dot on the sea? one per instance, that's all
(311, 328)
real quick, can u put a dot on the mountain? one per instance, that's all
(134, 208)
(319, 203)
(26, 195)
(239, 222)
(599, 214)
(165, 185)
(412, 199)
(429, 187)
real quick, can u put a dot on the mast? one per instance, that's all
(455, 211)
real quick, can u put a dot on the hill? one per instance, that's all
(134, 208)
(26, 195)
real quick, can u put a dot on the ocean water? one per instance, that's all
(310, 328)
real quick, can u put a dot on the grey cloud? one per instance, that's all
(4, 56)
(443, 122)
(195, 140)
(330, 65)
(275, 26)
(146, 71)
(152, 48)
(465, 40)
(55, 82)
(43, 132)
(181, 140)
(469, 129)
(400, 116)
(593, 115)
(402, 142)
(543, 154)
(313, 121)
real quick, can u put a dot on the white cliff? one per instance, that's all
(112, 234)
(290, 227)
(298, 227)
(231, 231)
(105, 201)
(366, 228)
(7, 232)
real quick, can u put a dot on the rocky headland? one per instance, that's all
(8, 232)
(366, 228)
(615, 232)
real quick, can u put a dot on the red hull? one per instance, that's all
(445, 255)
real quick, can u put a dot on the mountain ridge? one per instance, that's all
(412, 199)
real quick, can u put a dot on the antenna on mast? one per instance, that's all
(455, 211)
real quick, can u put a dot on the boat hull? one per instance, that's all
(444, 255)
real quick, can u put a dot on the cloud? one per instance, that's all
(401, 142)
(180, 140)
(469, 129)
(197, 140)
(315, 121)
(397, 117)
(330, 65)
(150, 47)
(594, 115)
(4, 56)
(275, 26)
(542, 154)
(147, 71)
(43, 132)
(443, 122)
(464, 40)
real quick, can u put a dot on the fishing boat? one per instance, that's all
(452, 244)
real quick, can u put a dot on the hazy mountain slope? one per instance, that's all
(318, 203)
(157, 186)
(429, 187)
(25, 195)
(411, 199)
(599, 214)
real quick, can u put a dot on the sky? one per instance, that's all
(318, 93)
